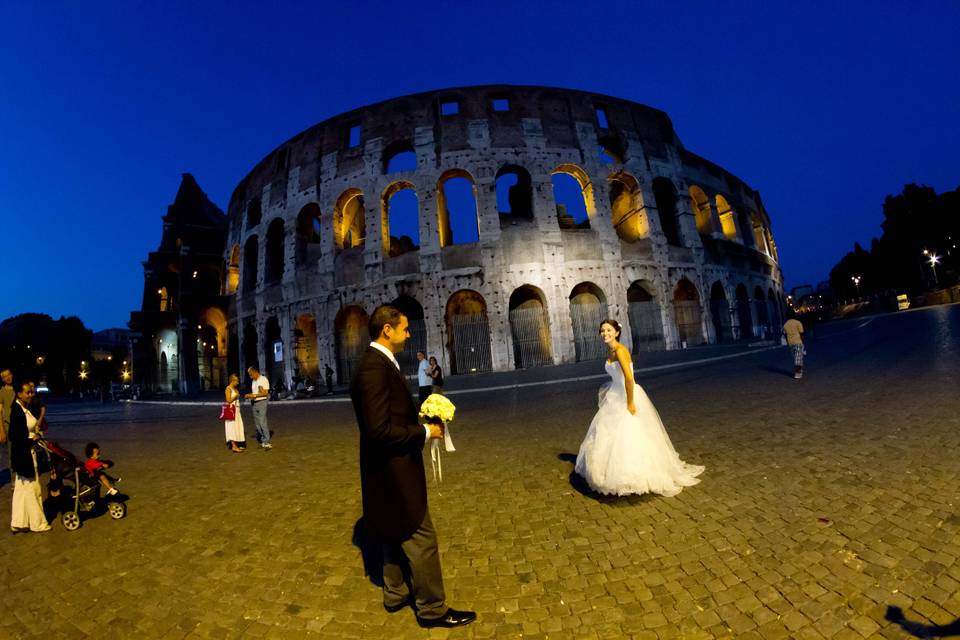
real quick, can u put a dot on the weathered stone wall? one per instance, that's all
(542, 129)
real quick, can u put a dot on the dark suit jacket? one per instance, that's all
(392, 479)
(20, 443)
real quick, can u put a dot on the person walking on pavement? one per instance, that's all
(259, 395)
(793, 330)
(424, 380)
(392, 481)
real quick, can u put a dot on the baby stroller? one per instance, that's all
(79, 491)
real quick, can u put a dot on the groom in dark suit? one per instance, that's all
(392, 479)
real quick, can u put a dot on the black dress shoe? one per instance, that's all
(452, 618)
(393, 608)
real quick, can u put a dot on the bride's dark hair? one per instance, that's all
(613, 323)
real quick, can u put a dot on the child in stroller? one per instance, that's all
(75, 491)
(95, 468)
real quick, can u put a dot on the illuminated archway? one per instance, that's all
(646, 323)
(351, 337)
(688, 313)
(727, 218)
(400, 219)
(530, 327)
(349, 225)
(458, 218)
(701, 210)
(468, 329)
(626, 207)
(588, 308)
(573, 197)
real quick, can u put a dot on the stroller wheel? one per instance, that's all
(117, 510)
(70, 520)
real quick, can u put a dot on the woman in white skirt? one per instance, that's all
(27, 513)
(234, 428)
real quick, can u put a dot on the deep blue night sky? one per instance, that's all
(824, 110)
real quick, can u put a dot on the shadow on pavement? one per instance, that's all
(920, 630)
(780, 370)
(580, 485)
(372, 553)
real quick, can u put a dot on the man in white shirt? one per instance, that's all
(259, 395)
(424, 380)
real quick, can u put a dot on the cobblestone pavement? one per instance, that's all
(825, 501)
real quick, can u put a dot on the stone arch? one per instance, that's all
(626, 207)
(212, 347)
(232, 281)
(701, 210)
(418, 333)
(665, 195)
(514, 189)
(688, 313)
(759, 234)
(744, 315)
(773, 312)
(399, 157)
(727, 218)
(163, 299)
(349, 223)
(760, 312)
(308, 233)
(251, 356)
(573, 197)
(305, 348)
(588, 308)
(458, 217)
(720, 313)
(351, 339)
(251, 254)
(530, 327)
(400, 213)
(273, 260)
(254, 213)
(273, 356)
(168, 360)
(646, 319)
(611, 150)
(468, 331)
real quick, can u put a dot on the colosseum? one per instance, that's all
(506, 222)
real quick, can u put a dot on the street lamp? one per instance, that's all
(856, 281)
(934, 259)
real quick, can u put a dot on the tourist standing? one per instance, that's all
(259, 395)
(328, 374)
(424, 380)
(233, 429)
(436, 375)
(793, 329)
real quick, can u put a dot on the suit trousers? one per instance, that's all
(426, 578)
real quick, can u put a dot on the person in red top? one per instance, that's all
(95, 467)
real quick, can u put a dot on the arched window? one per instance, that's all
(305, 335)
(253, 213)
(573, 196)
(399, 157)
(759, 234)
(720, 313)
(701, 210)
(163, 299)
(308, 233)
(400, 213)
(251, 251)
(626, 207)
(611, 150)
(514, 194)
(665, 195)
(349, 226)
(233, 270)
(274, 257)
(727, 218)
(457, 213)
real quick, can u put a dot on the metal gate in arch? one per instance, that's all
(646, 326)
(470, 343)
(586, 319)
(688, 316)
(531, 337)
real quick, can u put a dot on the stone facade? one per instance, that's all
(676, 248)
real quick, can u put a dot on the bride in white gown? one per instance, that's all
(626, 449)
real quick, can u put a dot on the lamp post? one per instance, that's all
(934, 259)
(856, 281)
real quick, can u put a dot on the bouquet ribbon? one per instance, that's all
(435, 462)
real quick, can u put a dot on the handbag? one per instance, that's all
(228, 411)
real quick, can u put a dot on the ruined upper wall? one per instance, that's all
(396, 121)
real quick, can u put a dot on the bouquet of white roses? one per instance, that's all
(437, 409)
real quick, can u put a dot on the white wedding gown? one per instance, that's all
(626, 453)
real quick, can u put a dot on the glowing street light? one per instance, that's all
(934, 259)
(856, 281)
